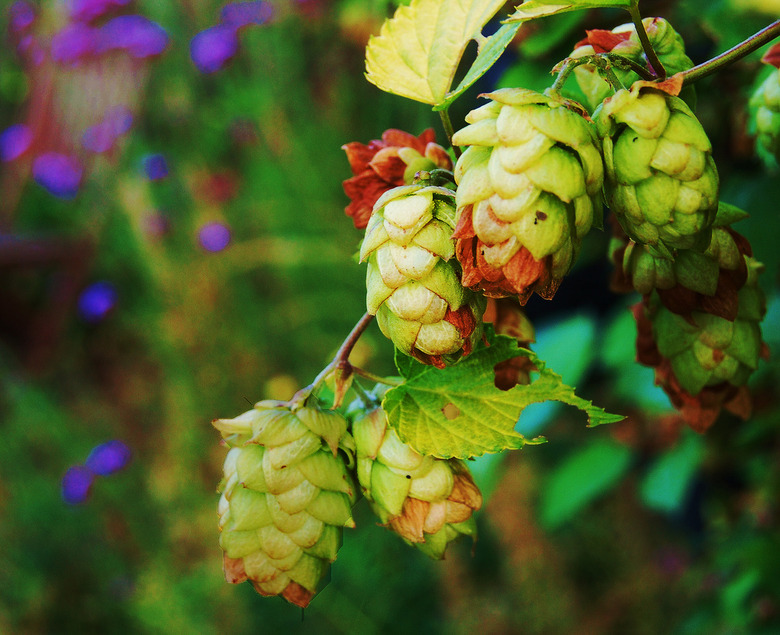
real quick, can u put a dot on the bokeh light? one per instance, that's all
(15, 141)
(240, 14)
(136, 34)
(212, 48)
(21, 14)
(97, 301)
(109, 457)
(156, 224)
(59, 174)
(87, 10)
(76, 484)
(102, 136)
(72, 43)
(155, 167)
(214, 236)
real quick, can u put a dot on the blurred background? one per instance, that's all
(173, 248)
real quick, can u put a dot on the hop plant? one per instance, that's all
(661, 180)
(529, 187)
(703, 362)
(286, 495)
(413, 283)
(765, 106)
(427, 501)
(623, 40)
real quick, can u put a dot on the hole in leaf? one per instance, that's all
(451, 411)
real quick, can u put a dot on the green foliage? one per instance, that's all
(583, 477)
(668, 481)
(419, 49)
(532, 9)
(459, 412)
(490, 50)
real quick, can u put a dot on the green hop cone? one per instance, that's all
(765, 116)
(427, 501)
(704, 361)
(529, 189)
(413, 281)
(286, 495)
(623, 40)
(661, 180)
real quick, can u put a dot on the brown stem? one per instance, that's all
(340, 361)
(733, 54)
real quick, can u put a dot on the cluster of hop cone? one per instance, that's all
(442, 246)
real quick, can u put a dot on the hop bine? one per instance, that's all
(286, 495)
(529, 187)
(413, 281)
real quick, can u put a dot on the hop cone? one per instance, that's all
(528, 191)
(286, 495)
(765, 106)
(704, 362)
(706, 281)
(623, 40)
(427, 501)
(413, 284)
(661, 180)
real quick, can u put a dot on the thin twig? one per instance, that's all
(733, 54)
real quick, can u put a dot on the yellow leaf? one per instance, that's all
(418, 50)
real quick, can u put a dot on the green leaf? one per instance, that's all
(582, 478)
(418, 50)
(489, 52)
(669, 480)
(540, 8)
(459, 412)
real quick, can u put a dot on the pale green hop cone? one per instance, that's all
(286, 495)
(529, 189)
(413, 281)
(427, 501)
(661, 180)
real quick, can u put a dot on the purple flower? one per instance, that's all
(135, 33)
(97, 301)
(98, 138)
(214, 237)
(155, 167)
(73, 42)
(76, 484)
(15, 141)
(109, 457)
(240, 14)
(60, 174)
(87, 10)
(210, 49)
(101, 136)
(21, 15)
(119, 119)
